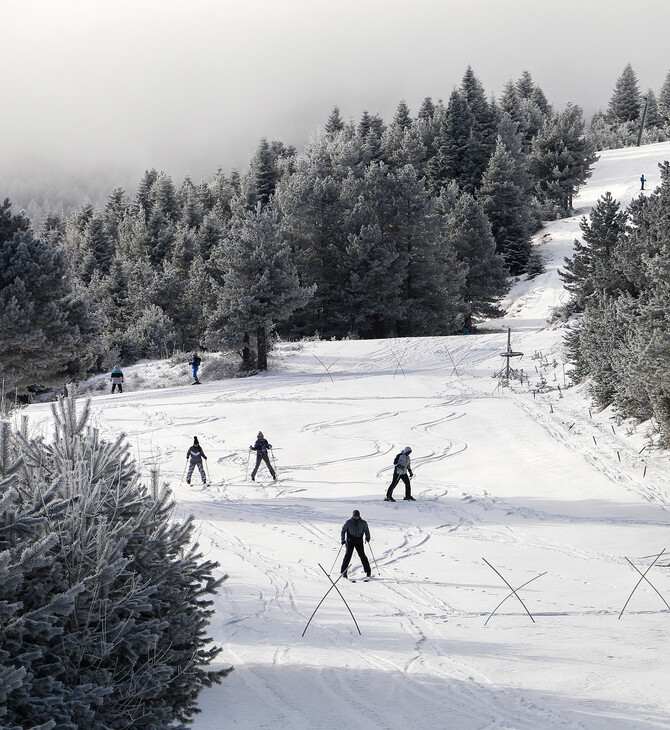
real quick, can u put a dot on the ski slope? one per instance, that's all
(532, 482)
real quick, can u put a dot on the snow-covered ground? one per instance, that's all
(532, 482)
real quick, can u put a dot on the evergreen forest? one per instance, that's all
(406, 227)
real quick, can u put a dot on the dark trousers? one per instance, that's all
(201, 468)
(396, 478)
(117, 385)
(266, 459)
(357, 543)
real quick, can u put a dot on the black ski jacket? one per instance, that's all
(196, 454)
(355, 529)
(261, 447)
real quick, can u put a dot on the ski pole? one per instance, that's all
(207, 472)
(274, 463)
(184, 472)
(336, 557)
(375, 559)
(246, 470)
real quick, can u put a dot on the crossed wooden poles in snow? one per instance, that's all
(643, 576)
(333, 585)
(514, 591)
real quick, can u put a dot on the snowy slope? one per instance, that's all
(533, 483)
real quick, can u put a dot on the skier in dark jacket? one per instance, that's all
(194, 362)
(402, 469)
(117, 379)
(196, 455)
(643, 180)
(261, 447)
(353, 531)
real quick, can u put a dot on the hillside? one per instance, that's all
(528, 479)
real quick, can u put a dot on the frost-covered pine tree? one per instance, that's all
(260, 287)
(48, 324)
(624, 104)
(507, 206)
(482, 138)
(590, 269)
(561, 159)
(334, 123)
(468, 231)
(433, 278)
(312, 222)
(664, 102)
(111, 598)
(452, 146)
(376, 274)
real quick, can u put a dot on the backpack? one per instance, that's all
(397, 456)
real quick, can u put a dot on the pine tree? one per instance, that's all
(373, 289)
(334, 123)
(48, 326)
(525, 86)
(450, 161)
(561, 159)
(433, 279)
(664, 102)
(506, 204)
(427, 110)
(143, 197)
(590, 270)
(510, 101)
(262, 177)
(402, 119)
(96, 250)
(652, 118)
(260, 288)
(312, 222)
(110, 597)
(468, 231)
(117, 207)
(624, 105)
(482, 139)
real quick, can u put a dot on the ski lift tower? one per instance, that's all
(509, 353)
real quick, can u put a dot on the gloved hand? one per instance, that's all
(411, 474)
(367, 539)
(251, 448)
(344, 542)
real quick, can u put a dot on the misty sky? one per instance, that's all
(188, 86)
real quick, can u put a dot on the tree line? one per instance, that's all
(630, 110)
(619, 279)
(374, 230)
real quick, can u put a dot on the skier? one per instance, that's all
(352, 534)
(194, 362)
(261, 447)
(642, 182)
(196, 455)
(402, 468)
(117, 379)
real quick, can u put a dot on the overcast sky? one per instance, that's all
(188, 86)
